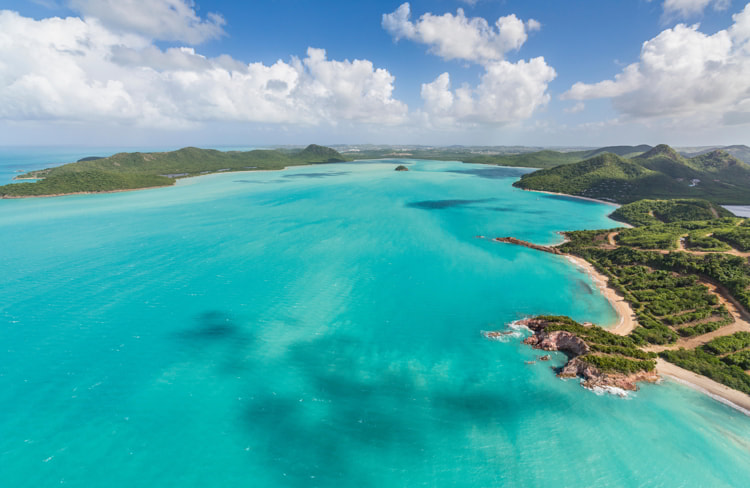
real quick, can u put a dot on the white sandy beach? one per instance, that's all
(627, 322)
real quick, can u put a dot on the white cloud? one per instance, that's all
(578, 107)
(685, 75)
(507, 93)
(78, 70)
(168, 20)
(459, 37)
(688, 8)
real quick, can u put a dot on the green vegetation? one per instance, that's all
(659, 173)
(84, 181)
(613, 363)
(737, 237)
(669, 290)
(127, 171)
(723, 359)
(501, 156)
(646, 212)
(701, 362)
(664, 289)
(608, 352)
(740, 359)
(728, 344)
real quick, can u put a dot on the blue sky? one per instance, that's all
(176, 72)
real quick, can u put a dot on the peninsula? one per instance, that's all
(680, 280)
(135, 171)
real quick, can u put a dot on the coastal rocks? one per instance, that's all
(558, 340)
(530, 245)
(577, 351)
(401, 167)
(594, 379)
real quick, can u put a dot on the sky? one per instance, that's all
(440, 72)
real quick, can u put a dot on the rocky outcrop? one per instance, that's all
(530, 245)
(401, 168)
(575, 347)
(558, 340)
(593, 378)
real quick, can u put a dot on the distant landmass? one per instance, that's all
(132, 171)
(516, 156)
(658, 173)
(739, 151)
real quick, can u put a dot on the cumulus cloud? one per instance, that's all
(507, 92)
(688, 8)
(76, 69)
(459, 37)
(683, 73)
(167, 20)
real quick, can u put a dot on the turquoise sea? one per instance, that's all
(319, 327)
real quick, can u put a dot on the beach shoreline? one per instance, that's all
(732, 398)
(626, 321)
(613, 204)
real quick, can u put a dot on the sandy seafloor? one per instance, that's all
(320, 326)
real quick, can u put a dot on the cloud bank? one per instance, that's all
(507, 92)
(167, 20)
(82, 70)
(684, 75)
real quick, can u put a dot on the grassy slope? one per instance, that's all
(659, 173)
(647, 212)
(144, 170)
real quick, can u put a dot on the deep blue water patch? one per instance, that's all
(493, 173)
(441, 204)
(317, 175)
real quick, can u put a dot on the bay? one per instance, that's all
(320, 326)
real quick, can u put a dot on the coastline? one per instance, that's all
(575, 196)
(626, 317)
(732, 398)
(176, 181)
(627, 322)
(18, 197)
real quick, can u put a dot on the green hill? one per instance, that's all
(659, 173)
(624, 151)
(739, 151)
(128, 171)
(648, 212)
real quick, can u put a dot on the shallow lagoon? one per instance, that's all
(319, 326)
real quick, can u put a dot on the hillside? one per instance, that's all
(739, 151)
(648, 212)
(129, 171)
(659, 173)
(496, 155)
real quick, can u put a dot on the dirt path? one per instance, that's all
(739, 314)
